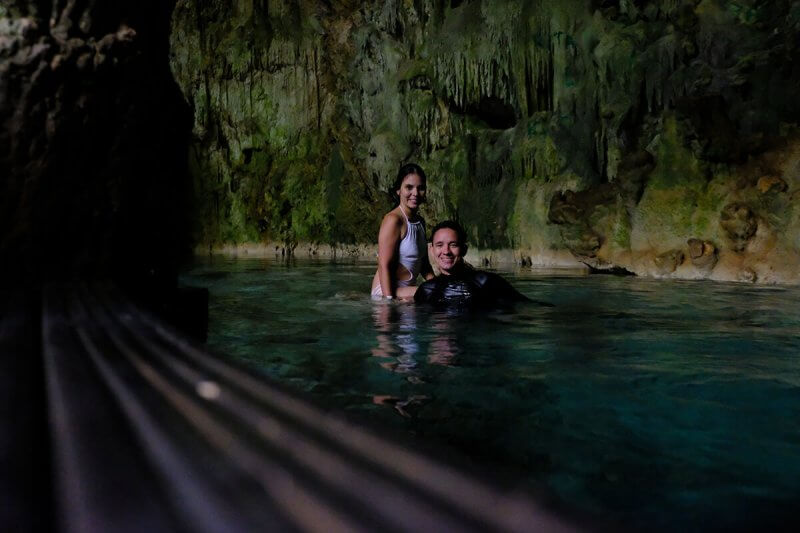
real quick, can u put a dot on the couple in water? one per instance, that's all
(403, 255)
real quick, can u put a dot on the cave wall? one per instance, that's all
(93, 140)
(656, 136)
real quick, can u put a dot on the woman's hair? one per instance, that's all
(405, 170)
(453, 225)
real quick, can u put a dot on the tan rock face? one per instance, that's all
(739, 223)
(771, 184)
(748, 275)
(569, 127)
(703, 254)
(582, 241)
(667, 262)
(695, 248)
(563, 209)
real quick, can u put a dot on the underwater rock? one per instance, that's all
(703, 254)
(739, 223)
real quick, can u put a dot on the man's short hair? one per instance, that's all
(453, 225)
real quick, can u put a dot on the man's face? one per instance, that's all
(447, 251)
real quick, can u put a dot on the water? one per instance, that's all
(654, 404)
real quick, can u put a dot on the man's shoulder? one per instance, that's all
(496, 286)
(447, 290)
(482, 277)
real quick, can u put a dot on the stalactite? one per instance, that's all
(466, 79)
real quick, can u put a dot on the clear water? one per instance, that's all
(654, 404)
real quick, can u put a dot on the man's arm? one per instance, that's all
(495, 287)
(425, 292)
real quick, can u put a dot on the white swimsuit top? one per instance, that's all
(412, 248)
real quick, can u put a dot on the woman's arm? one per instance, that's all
(388, 241)
(427, 270)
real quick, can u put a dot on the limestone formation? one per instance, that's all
(604, 128)
(582, 241)
(747, 275)
(739, 223)
(667, 262)
(93, 142)
(771, 184)
(703, 254)
(564, 209)
(610, 130)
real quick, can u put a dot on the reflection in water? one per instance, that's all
(395, 326)
(402, 406)
(666, 405)
(444, 348)
(396, 342)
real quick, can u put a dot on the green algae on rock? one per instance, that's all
(638, 122)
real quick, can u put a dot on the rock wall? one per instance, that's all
(93, 137)
(654, 136)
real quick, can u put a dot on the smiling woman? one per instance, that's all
(402, 248)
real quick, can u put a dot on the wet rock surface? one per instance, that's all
(703, 254)
(739, 223)
(92, 142)
(612, 130)
(606, 130)
(772, 185)
(667, 262)
(748, 275)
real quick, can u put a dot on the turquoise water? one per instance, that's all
(652, 404)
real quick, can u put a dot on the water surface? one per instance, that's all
(656, 404)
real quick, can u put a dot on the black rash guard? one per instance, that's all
(469, 288)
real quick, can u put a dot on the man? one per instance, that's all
(459, 284)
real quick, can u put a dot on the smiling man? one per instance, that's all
(459, 284)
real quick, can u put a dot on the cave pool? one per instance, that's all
(658, 405)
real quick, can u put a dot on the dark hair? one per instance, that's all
(405, 170)
(453, 225)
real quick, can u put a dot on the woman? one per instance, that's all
(402, 247)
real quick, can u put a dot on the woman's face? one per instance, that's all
(412, 191)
